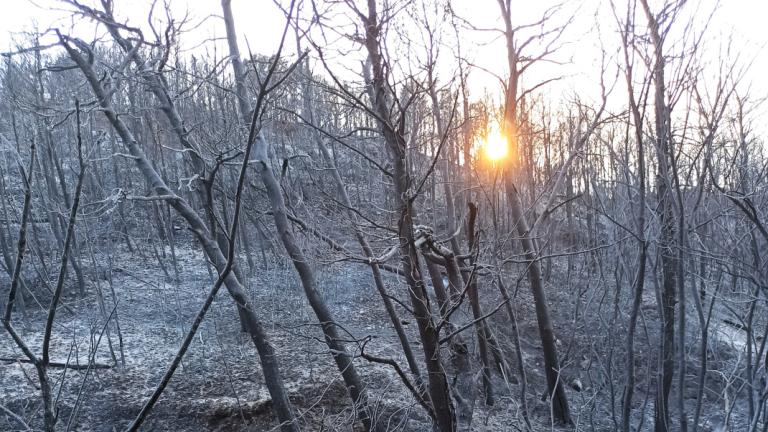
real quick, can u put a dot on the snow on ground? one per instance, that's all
(220, 387)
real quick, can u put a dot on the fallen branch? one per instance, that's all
(59, 365)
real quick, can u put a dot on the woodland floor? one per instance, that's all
(220, 387)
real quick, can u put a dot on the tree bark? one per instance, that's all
(270, 367)
(668, 237)
(556, 390)
(439, 389)
(344, 361)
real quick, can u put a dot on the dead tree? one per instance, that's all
(668, 241)
(393, 133)
(43, 361)
(84, 58)
(344, 360)
(637, 115)
(360, 236)
(556, 389)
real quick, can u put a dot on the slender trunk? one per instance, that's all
(438, 383)
(439, 389)
(639, 283)
(511, 128)
(272, 376)
(364, 245)
(445, 166)
(555, 386)
(518, 353)
(668, 236)
(481, 327)
(344, 361)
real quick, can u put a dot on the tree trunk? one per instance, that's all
(343, 359)
(481, 327)
(668, 237)
(438, 383)
(555, 386)
(272, 376)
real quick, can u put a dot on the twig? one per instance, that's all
(15, 416)
(420, 397)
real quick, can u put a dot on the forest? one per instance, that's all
(400, 215)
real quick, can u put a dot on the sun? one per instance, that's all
(495, 146)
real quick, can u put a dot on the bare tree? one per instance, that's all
(248, 315)
(344, 361)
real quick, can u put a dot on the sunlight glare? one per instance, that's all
(495, 146)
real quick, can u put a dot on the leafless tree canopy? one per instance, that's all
(367, 227)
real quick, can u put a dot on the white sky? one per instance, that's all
(260, 23)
